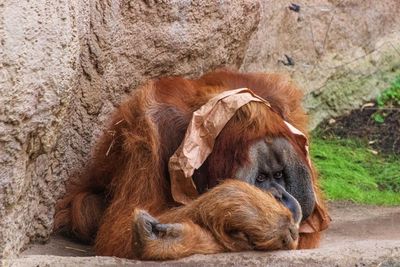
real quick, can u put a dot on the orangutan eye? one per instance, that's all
(278, 175)
(262, 177)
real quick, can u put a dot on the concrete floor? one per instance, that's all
(358, 236)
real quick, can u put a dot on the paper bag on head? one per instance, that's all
(206, 124)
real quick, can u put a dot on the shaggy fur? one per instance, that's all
(110, 201)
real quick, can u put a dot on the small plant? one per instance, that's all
(388, 98)
(378, 117)
(391, 96)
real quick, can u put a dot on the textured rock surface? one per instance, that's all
(65, 64)
(361, 253)
(359, 236)
(344, 52)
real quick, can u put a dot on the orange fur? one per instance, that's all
(218, 222)
(128, 170)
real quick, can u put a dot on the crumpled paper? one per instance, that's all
(206, 124)
(319, 220)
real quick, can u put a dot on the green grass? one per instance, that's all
(349, 171)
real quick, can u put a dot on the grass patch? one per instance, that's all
(350, 171)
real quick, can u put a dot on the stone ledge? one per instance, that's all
(357, 253)
(360, 235)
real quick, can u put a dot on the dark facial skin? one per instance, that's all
(275, 166)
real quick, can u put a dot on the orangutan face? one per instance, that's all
(275, 166)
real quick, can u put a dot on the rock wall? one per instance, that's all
(65, 64)
(344, 52)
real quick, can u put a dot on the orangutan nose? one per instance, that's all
(288, 200)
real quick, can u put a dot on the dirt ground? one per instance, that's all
(359, 235)
(383, 136)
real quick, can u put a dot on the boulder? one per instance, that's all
(64, 65)
(341, 53)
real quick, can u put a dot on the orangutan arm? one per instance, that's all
(234, 216)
